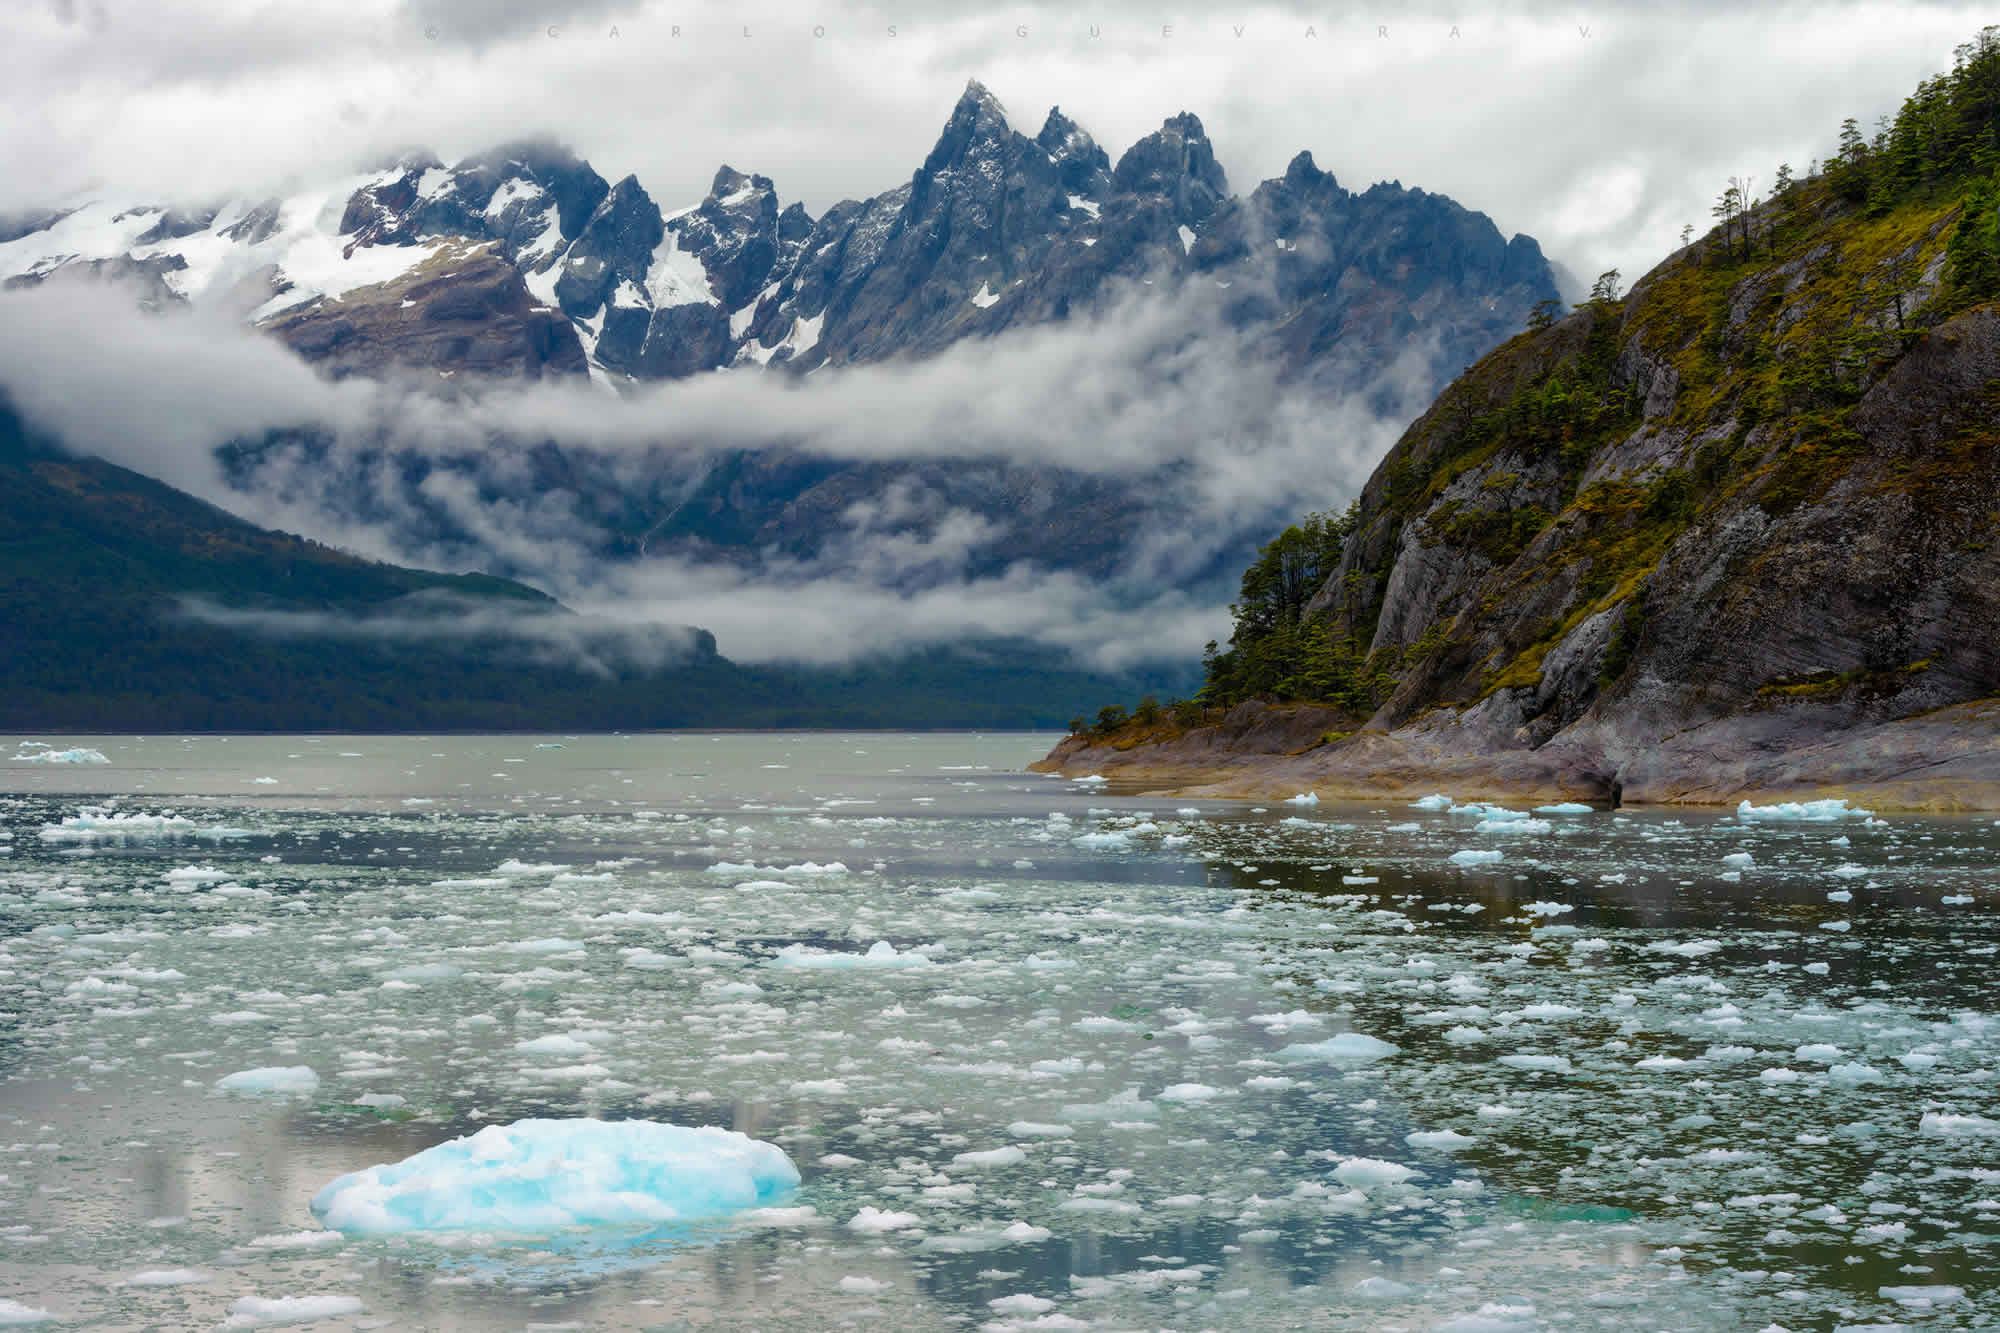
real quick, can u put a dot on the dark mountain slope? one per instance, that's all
(126, 605)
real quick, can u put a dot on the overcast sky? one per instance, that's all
(1599, 130)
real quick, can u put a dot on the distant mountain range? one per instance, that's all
(525, 261)
(524, 264)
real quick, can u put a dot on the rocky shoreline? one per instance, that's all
(1942, 761)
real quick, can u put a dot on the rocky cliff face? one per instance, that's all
(1735, 532)
(463, 309)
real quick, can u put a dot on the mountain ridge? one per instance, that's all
(994, 230)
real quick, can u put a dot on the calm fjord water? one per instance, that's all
(1045, 1056)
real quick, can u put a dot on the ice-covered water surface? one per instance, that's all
(1043, 1056)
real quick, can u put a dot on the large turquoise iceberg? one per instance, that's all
(538, 1177)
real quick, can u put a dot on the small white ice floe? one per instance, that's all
(1303, 798)
(1513, 825)
(167, 1277)
(266, 1311)
(872, 1221)
(1922, 1298)
(1435, 801)
(35, 752)
(1341, 1048)
(1443, 1140)
(1477, 856)
(1371, 1173)
(96, 823)
(539, 1177)
(881, 956)
(1808, 812)
(271, 1080)
(1565, 808)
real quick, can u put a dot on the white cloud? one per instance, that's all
(1170, 409)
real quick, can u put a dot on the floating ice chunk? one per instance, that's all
(13, 1314)
(1811, 812)
(1090, 780)
(556, 1043)
(1126, 1105)
(279, 1080)
(1739, 860)
(1036, 1129)
(1922, 1298)
(1493, 1317)
(978, 1239)
(1342, 1048)
(263, 1311)
(46, 756)
(1477, 856)
(1371, 1173)
(95, 823)
(1303, 798)
(1443, 1140)
(1943, 1124)
(1007, 1156)
(872, 1221)
(804, 868)
(1189, 1092)
(1435, 801)
(881, 956)
(1382, 1289)
(541, 1176)
(168, 1277)
(1513, 824)
(1852, 1074)
(554, 944)
(864, 1286)
(1685, 948)
(1107, 840)
(298, 1240)
(1565, 808)
(1548, 909)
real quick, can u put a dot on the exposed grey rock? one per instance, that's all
(464, 311)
